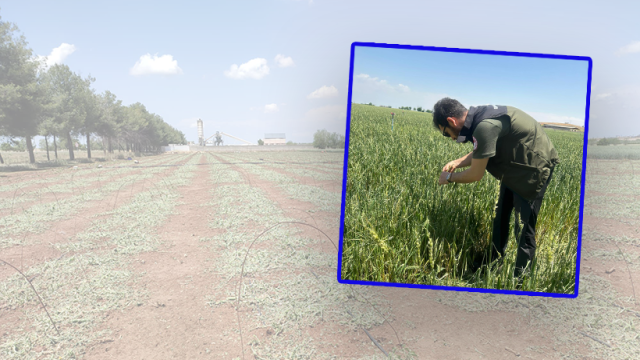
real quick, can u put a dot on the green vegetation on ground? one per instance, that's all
(400, 226)
(614, 152)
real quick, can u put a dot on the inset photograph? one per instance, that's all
(464, 169)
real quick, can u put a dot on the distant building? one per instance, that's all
(565, 126)
(275, 139)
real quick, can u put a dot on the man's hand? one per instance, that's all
(443, 178)
(451, 165)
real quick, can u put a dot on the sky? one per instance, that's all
(282, 66)
(551, 90)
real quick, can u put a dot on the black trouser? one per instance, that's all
(527, 215)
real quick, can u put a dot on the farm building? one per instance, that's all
(565, 126)
(275, 139)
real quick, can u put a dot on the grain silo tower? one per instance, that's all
(200, 133)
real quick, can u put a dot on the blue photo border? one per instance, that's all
(468, 51)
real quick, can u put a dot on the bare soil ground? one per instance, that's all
(181, 303)
(39, 247)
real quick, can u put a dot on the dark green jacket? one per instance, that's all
(524, 156)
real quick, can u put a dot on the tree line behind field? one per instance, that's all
(60, 105)
(323, 139)
(409, 108)
(613, 141)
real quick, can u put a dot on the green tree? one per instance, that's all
(49, 127)
(68, 93)
(260, 142)
(21, 94)
(608, 141)
(14, 145)
(93, 114)
(321, 139)
(2, 135)
(137, 120)
(113, 119)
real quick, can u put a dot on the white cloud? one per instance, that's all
(601, 96)
(333, 118)
(269, 108)
(57, 55)
(614, 114)
(253, 69)
(632, 47)
(323, 92)
(148, 65)
(369, 89)
(284, 61)
(366, 82)
(547, 117)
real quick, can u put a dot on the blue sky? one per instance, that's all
(552, 90)
(291, 57)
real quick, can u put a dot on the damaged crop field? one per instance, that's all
(233, 255)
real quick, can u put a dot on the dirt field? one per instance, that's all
(233, 255)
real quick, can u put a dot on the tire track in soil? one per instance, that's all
(623, 275)
(15, 318)
(327, 185)
(301, 210)
(454, 333)
(329, 338)
(175, 321)
(334, 186)
(62, 170)
(61, 232)
(318, 167)
(46, 196)
(45, 175)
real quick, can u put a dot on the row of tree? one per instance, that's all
(20, 144)
(613, 141)
(419, 108)
(323, 139)
(609, 141)
(58, 103)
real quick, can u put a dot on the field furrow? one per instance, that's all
(287, 281)
(14, 229)
(92, 280)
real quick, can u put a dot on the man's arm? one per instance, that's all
(472, 174)
(462, 162)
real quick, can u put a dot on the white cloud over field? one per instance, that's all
(601, 96)
(284, 61)
(253, 69)
(323, 92)
(367, 82)
(57, 55)
(632, 47)
(367, 88)
(269, 108)
(333, 118)
(155, 65)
